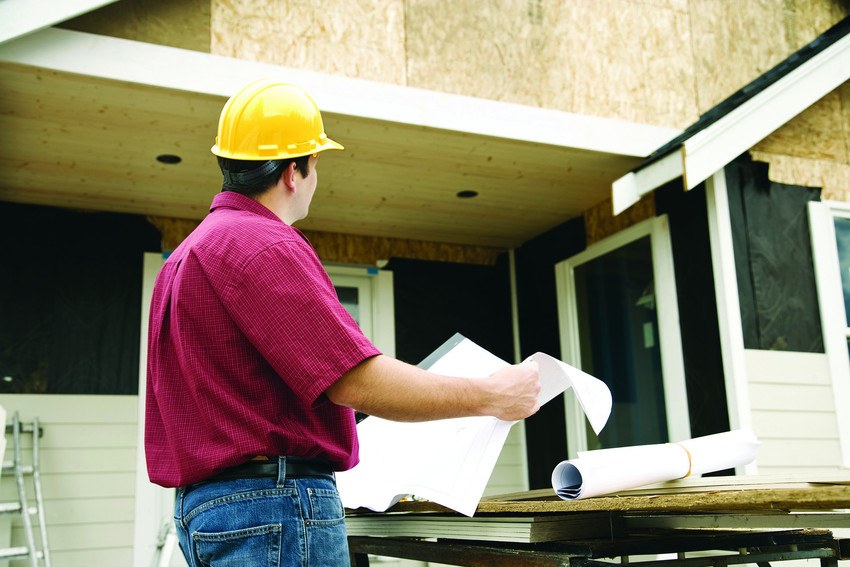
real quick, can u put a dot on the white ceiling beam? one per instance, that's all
(192, 71)
(22, 17)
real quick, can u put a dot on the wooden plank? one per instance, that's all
(454, 553)
(829, 490)
(710, 483)
(738, 521)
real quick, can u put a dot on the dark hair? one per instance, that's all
(251, 178)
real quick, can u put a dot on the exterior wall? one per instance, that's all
(793, 412)
(660, 62)
(589, 57)
(663, 62)
(813, 149)
(88, 462)
(510, 474)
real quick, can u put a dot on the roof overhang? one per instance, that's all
(707, 150)
(21, 17)
(72, 97)
(196, 72)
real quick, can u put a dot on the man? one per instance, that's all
(255, 369)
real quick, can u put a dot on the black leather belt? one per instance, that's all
(295, 468)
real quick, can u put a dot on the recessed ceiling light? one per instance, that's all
(468, 194)
(169, 158)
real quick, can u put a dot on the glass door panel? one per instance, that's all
(619, 343)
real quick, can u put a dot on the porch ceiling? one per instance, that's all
(84, 129)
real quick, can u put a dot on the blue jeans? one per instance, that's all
(259, 522)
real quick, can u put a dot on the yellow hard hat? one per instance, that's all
(269, 120)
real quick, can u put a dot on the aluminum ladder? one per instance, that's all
(37, 554)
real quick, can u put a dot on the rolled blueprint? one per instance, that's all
(604, 471)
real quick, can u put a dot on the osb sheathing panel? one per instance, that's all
(184, 24)
(813, 149)
(585, 56)
(600, 222)
(735, 42)
(351, 249)
(354, 38)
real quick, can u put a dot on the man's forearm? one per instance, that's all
(388, 388)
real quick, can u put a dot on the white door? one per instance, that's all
(619, 322)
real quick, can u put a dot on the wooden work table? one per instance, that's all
(728, 520)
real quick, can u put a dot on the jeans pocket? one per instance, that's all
(239, 548)
(325, 506)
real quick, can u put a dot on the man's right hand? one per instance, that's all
(514, 390)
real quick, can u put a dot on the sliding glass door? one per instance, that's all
(619, 322)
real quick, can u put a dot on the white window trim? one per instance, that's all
(832, 310)
(380, 310)
(672, 361)
(728, 302)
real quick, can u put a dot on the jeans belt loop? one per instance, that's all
(281, 471)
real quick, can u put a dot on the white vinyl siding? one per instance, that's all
(510, 473)
(793, 412)
(88, 471)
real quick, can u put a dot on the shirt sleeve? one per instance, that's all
(285, 304)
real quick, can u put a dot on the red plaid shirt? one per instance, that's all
(246, 333)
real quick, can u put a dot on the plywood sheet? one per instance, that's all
(735, 42)
(832, 177)
(632, 60)
(351, 249)
(368, 250)
(600, 222)
(177, 23)
(727, 52)
(615, 58)
(354, 38)
(750, 499)
(817, 133)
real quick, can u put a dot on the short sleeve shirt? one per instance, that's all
(245, 335)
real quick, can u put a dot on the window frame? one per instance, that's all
(836, 331)
(669, 333)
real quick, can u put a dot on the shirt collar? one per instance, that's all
(239, 202)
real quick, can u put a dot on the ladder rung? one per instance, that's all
(10, 466)
(7, 507)
(14, 552)
(25, 428)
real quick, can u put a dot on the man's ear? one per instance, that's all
(288, 176)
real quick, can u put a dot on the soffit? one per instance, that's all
(85, 133)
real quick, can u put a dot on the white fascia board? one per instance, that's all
(21, 17)
(711, 149)
(192, 71)
(627, 190)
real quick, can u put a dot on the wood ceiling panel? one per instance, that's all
(84, 142)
